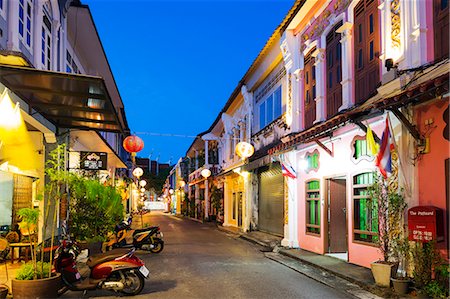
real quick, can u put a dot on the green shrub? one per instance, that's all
(27, 271)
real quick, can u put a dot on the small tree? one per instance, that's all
(391, 206)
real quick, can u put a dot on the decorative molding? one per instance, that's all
(298, 74)
(395, 23)
(326, 18)
(262, 92)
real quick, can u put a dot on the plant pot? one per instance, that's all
(401, 285)
(383, 272)
(3, 292)
(39, 288)
(94, 247)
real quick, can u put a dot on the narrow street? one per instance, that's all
(199, 261)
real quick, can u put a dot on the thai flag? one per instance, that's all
(383, 160)
(288, 171)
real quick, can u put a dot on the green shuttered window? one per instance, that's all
(365, 210)
(313, 207)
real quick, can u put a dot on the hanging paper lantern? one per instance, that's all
(133, 144)
(244, 149)
(138, 172)
(206, 173)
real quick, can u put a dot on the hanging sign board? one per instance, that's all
(93, 160)
(425, 223)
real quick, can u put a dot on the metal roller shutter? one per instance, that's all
(271, 200)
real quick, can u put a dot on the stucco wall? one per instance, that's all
(341, 164)
(432, 164)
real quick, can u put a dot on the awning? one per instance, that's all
(93, 141)
(67, 100)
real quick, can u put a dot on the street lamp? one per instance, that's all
(206, 173)
(138, 172)
(143, 183)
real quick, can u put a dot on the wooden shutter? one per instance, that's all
(367, 49)
(441, 29)
(334, 71)
(310, 90)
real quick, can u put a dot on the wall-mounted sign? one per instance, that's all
(93, 160)
(425, 223)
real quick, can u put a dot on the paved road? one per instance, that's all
(199, 261)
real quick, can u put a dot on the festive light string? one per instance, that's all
(176, 135)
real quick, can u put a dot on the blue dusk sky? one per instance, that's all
(177, 62)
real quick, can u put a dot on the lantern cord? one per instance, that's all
(176, 135)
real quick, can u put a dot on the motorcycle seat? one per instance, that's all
(107, 256)
(141, 230)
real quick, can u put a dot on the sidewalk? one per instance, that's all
(354, 274)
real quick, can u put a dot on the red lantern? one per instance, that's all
(133, 144)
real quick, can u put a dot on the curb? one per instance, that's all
(370, 288)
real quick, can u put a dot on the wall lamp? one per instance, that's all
(389, 64)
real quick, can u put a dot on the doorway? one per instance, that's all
(337, 217)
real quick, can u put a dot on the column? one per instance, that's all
(291, 228)
(13, 26)
(207, 199)
(36, 26)
(319, 56)
(206, 181)
(347, 65)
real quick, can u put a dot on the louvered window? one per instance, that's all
(310, 90)
(313, 207)
(365, 210)
(441, 29)
(334, 87)
(367, 49)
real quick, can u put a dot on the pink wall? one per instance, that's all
(340, 164)
(431, 166)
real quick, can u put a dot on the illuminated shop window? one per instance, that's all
(313, 207)
(365, 210)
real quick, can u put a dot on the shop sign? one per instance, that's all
(93, 160)
(425, 224)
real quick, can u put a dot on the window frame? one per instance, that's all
(366, 157)
(356, 218)
(317, 209)
(333, 71)
(367, 48)
(263, 107)
(308, 155)
(309, 89)
(23, 21)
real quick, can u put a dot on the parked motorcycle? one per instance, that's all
(150, 238)
(118, 270)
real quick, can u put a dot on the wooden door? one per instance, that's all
(337, 222)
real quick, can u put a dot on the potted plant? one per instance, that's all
(95, 209)
(390, 205)
(34, 279)
(402, 281)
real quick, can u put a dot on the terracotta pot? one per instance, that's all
(39, 288)
(383, 272)
(401, 285)
(3, 292)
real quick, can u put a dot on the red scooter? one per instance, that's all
(118, 270)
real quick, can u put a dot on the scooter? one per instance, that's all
(118, 270)
(150, 238)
